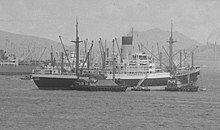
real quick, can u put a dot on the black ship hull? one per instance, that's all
(68, 82)
(54, 82)
(193, 76)
(185, 83)
(183, 77)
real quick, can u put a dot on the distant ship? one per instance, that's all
(10, 65)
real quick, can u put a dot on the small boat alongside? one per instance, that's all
(176, 85)
(98, 85)
(202, 89)
(140, 89)
(26, 77)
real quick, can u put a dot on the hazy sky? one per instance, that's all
(109, 18)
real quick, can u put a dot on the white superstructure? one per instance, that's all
(140, 65)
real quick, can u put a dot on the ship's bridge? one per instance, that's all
(142, 56)
(141, 59)
(141, 63)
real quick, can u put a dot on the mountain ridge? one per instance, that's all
(156, 35)
(20, 44)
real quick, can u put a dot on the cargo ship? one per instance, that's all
(143, 66)
(133, 67)
(129, 68)
(54, 78)
(10, 65)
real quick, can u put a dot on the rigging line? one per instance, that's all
(153, 55)
(188, 55)
(165, 51)
(65, 52)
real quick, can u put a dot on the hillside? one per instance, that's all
(33, 47)
(151, 37)
(28, 47)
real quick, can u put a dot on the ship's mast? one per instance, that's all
(77, 47)
(132, 36)
(171, 41)
(132, 33)
(113, 41)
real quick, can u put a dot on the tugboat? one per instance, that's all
(175, 85)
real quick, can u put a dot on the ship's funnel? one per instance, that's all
(126, 46)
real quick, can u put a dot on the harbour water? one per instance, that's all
(24, 106)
